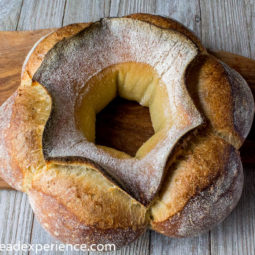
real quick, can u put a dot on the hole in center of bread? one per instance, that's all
(123, 125)
(125, 108)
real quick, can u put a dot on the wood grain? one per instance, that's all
(186, 12)
(39, 14)
(191, 246)
(13, 48)
(16, 216)
(225, 26)
(250, 25)
(39, 235)
(124, 7)
(15, 219)
(85, 11)
(9, 14)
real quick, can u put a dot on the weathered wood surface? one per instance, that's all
(222, 25)
(16, 216)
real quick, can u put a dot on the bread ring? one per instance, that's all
(185, 179)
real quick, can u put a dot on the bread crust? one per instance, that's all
(69, 229)
(37, 54)
(214, 171)
(21, 126)
(223, 96)
(59, 195)
(243, 103)
(166, 23)
(11, 173)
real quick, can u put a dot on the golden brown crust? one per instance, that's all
(208, 175)
(12, 174)
(29, 114)
(91, 203)
(201, 188)
(69, 229)
(243, 104)
(225, 100)
(208, 207)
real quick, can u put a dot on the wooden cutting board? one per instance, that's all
(123, 125)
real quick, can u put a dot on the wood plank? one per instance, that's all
(35, 15)
(16, 216)
(250, 21)
(9, 14)
(86, 11)
(225, 27)
(124, 7)
(186, 12)
(178, 246)
(14, 47)
(39, 14)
